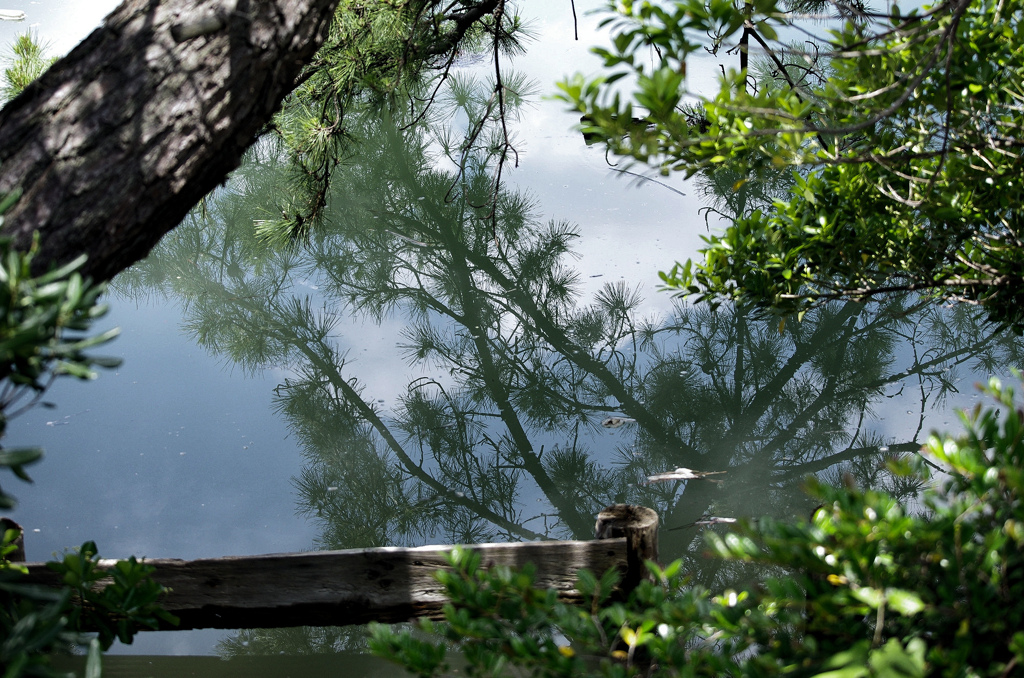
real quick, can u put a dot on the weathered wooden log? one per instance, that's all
(639, 526)
(337, 588)
(342, 663)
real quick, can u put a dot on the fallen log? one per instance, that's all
(338, 588)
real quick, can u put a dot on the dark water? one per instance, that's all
(424, 372)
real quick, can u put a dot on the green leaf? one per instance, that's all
(893, 660)
(20, 456)
(905, 602)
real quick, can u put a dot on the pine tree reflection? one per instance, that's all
(502, 438)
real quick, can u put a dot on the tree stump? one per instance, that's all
(639, 525)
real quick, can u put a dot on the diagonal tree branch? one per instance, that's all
(120, 138)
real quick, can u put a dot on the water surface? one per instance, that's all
(422, 373)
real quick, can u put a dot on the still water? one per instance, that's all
(420, 373)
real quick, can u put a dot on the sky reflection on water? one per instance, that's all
(180, 452)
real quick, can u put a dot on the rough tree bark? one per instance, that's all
(120, 138)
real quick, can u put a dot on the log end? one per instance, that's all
(639, 525)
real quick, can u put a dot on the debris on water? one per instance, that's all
(616, 422)
(65, 421)
(715, 520)
(407, 239)
(11, 15)
(705, 521)
(684, 474)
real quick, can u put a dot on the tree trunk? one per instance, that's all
(119, 139)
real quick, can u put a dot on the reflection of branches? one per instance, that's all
(376, 57)
(290, 327)
(517, 372)
(849, 454)
(370, 416)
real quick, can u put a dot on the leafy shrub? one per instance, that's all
(44, 322)
(36, 621)
(873, 589)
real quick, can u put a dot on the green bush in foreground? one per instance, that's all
(36, 621)
(44, 322)
(873, 590)
(44, 326)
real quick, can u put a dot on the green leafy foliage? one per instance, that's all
(41, 318)
(393, 55)
(37, 621)
(43, 324)
(900, 134)
(870, 589)
(126, 600)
